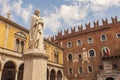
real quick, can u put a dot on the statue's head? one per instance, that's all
(37, 12)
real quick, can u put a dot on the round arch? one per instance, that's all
(20, 72)
(9, 71)
(92, 53)
(59, 75)
(109, 78)
(52, 74)
(69, 57)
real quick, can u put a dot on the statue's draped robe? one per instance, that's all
(36, 32)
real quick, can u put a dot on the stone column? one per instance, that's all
(49, 77)
(35, 66)
(55, 76)
(16, 75)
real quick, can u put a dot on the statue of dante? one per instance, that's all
(36, 31)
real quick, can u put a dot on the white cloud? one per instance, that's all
(65, 15)
(97, 5)
(76, 12)
(26, 13)
(4, 7)
(52, 21)
(72, 13)
(16, 8)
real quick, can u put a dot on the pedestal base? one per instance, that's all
(35, 65)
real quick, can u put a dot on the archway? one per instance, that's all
(110, 78)
(9, 71)
(20, 73)
(52, 75)
(59, 75)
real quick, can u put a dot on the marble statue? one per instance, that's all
(36, 31)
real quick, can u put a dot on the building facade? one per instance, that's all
(14, 42)
(92, 53)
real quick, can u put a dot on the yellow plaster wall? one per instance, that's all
(50, 52)
(11, 40)
(2, 33)
(61, 57)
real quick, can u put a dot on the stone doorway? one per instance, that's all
(109, 78)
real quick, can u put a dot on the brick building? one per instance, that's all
(91, 53)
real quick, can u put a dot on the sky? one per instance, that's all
(59, 15)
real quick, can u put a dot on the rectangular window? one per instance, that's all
(101, 67)
(114, 66)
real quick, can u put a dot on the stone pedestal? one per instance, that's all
(35, 65)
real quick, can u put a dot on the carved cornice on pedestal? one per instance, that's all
(35, 56)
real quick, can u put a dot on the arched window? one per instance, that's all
(105, 51)
(90, 68)
(69, 44)
(70, 71)
(91, 53)
(17, 45)
(59, 75)
(80, 70)
(20, 39)
(9, 71)
(52, 74)
(90, 40)
(70, 57)
(79, 43)
(20, 72)
(103, 37)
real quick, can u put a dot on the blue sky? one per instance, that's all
(60, 14)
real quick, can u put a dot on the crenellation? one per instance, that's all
(96, 24)
(59, 34)
(73, 30)
(87, 26)
(80, 28)
(52, 38)
(114, 20)
(66, 32)
(56, 37)
(105, 21)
